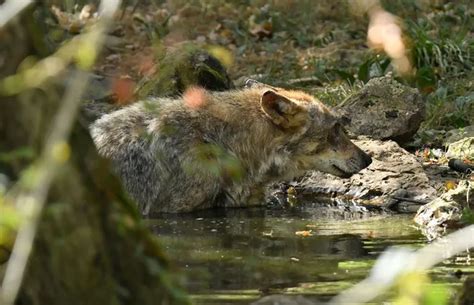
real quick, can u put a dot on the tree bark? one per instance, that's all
(91, 246)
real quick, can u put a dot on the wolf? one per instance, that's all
(220, 149)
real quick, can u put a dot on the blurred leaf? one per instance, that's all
(86, 55)
(219, 162)
(426, 79)
(123, 90)
(364, 71)
(437, 294)
(61, 152)
(22, 153)
(468, 216)
(9, 217)
(348, 265)
(384, 65)
(223, 55)
(410, 287)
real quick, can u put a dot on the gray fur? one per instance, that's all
(160, 149)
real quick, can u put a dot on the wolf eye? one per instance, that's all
(343, 120)
(339, 128)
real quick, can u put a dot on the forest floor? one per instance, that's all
(320, 47)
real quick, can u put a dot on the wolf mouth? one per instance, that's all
(341, 173)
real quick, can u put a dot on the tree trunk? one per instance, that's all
(91, 247)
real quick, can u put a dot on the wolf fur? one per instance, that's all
(209, 149)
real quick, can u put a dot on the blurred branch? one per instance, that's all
(398, 261)
(34, 185)
(10, 9)
(82, 49)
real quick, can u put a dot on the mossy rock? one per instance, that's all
(184, 67)
(462, 149)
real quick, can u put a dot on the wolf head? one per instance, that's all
(313, 135)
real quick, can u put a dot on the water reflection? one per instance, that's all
(236, 256)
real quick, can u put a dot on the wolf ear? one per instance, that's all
(281, 110)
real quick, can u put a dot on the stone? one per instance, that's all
(438, 214)
(384, 109)
(462, 149)
(457, 134)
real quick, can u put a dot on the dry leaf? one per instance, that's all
(304, 233)
(450, 185)
(123, 90)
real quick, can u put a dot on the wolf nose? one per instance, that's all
(366, 159)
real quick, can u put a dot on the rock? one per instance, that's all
(283, 300)
(462, 149)
(455, 135)
(435, 216)
(180, 69)
(439, 137)
(427, 138)
(183, 67)
(394, 175)
(384, 109)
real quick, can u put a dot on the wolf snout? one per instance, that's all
(366, 160)
(353, 165)
(361, 161)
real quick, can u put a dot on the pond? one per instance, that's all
(237, 256)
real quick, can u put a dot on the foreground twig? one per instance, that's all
(11, 8)
(30, 202)
(397, 261)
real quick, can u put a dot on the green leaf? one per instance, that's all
(425, 78)
(436, 294)
(364, 70)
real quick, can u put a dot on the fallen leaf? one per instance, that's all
(450, 185)
(370, 234)
(123, 90)
(304, 233)
(195, 97)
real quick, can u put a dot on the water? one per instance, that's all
(237, 256)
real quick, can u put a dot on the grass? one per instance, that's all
(281, 41)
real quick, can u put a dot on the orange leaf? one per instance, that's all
(195, 97)
(123, 90)
(304, 233)
(450, 185)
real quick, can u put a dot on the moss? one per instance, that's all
(182, 68)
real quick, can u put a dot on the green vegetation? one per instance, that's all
(318, 46)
